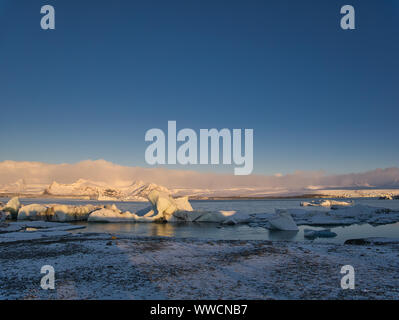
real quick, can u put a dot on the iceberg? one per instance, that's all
(166, 209)
(283, 221)
(164, 206)
(216, 216)
(62, 213)
(326, 203)
(386, 197)
(109, 215)
(31, 211)
(345, 215)
(12, 207)
(222, 216)
(55, 212)
(183, 204)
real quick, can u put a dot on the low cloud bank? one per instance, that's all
(117, 175)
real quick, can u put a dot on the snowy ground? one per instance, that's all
(98, 266)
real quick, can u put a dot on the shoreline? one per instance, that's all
(166, 268)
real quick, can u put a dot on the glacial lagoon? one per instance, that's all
(250, 231)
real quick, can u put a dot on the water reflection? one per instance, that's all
(238, 232)
(282, 235)
(161, 229)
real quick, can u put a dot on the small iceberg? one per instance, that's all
(327, 203)
(283, 221)
(389, 197)
(110, 215)
(11, 208)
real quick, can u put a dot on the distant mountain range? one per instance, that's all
(100, 179)
(138, 191)
(85, 189)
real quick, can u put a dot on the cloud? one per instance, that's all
(117, 175)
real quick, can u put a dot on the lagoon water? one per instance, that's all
(238, 232)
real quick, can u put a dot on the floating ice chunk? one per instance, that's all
(282, 220)
(163, 205)
(109, 215)
(189, 216)
(12, 207)
(62, 213)
(341, 203)
(224, 217)
(68, 213)
(325, 233)
(163, 208)
(112, 207)
(326, 203)
(386, 197)
(30, 211)
(345, 215)
(183, 204)
(215, 216)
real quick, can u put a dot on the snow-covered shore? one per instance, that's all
(100, 266)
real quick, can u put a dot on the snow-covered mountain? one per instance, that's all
(137, 191)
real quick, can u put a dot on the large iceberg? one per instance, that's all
(55, 212)
(164, 208)
(62, 213)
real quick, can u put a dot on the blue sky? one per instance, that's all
(317, 97)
